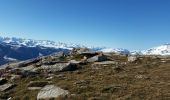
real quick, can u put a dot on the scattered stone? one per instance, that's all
(79, 51)
(51, 92)
(2, 81)
(132, 58)
(74, 62)
(97, 58)
(60, 67)
(38, 64)
(6, 87)
(50, 78)
(111, 88)
(141, 77)
(81, 82)
(60, 76)
(89, 54)
(28, 62)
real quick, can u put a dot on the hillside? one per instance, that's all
(85, 75)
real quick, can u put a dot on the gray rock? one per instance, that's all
(51, 92)
(28, 62)
(6, 87)
(112, 88)
(97, 58)
(76, 62)
(79, 50)
(60, 67)
(81, 82)
(132, 58)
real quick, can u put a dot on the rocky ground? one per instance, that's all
(86, 75)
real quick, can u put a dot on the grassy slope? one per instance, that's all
(147, 80)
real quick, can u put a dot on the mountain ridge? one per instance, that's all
(12, 49)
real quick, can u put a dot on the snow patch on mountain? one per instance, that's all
(9, 58)
(118, 50)
(18, 42)
(160, 50)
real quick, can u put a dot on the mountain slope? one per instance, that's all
(18, 42)
(160, 50)
(118, 50)
(13, 49)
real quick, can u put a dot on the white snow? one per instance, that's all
(118, 50)
(33, 43)
(160, 50)
(18, 42)
(9, 59)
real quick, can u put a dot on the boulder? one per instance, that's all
(60, 67)
(79, 50)
(75, 62)
(51, 92)
(28, 62)
(132, 58)
(6, 87)
(97, 58)
(89, 54)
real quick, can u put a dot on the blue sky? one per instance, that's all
(131, 24)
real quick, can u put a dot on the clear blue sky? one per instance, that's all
(131, 24)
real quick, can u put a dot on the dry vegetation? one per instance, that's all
(147, 78)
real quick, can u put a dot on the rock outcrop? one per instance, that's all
(97, 58)
(6, 87)
(51, 92)
(60, 67)
(79, 51)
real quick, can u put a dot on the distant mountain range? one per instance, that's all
(13, 49)
(159, 50)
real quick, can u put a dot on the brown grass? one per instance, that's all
(147, 79)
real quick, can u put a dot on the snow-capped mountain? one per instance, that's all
(136, 52)
(13, 49)
(160, 50)
(18, 42)
(118, 50)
